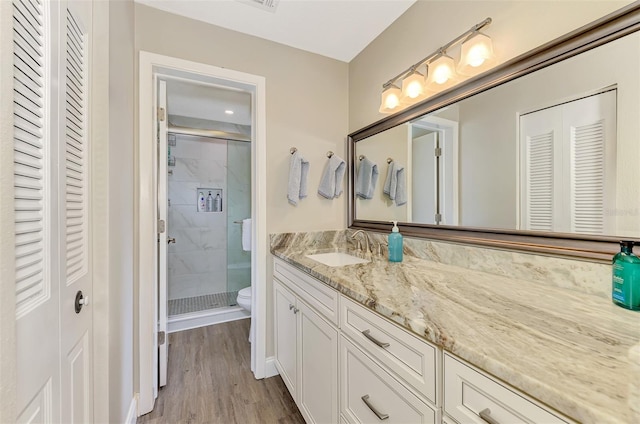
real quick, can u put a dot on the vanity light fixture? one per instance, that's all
(390, 98)
(476, 54)
(441, 73)
(413, 87)
(440, 70)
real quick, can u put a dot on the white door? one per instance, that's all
(75, 212)
(162, 342)
(568, 166)
(424, 179)
(37, 261)
(52, 210)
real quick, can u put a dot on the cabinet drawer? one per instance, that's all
(318, 295)
(367, 387)
(468, 392)
(412, 359)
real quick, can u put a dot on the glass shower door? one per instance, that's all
(238, 209)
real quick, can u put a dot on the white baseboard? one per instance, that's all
(133, 411)
(270, 367)
(204, 318)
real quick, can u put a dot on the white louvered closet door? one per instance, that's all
(35, 142)
(540, 165)
(75, 237)
(51, 203)
(568, 166)
(589, 129)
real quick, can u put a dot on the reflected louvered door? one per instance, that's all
(539, 164)
(75, 241)
(590, 131)
(35, 143)
(568, 167)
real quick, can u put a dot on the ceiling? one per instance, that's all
(339, 29)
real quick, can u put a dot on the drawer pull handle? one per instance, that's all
(380, 415)
(367, 334)
(485, 415)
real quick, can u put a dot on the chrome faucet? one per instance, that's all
(367, 240)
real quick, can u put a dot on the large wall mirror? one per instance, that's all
(542, 153)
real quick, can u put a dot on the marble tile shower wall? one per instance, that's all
(239, 208)
(198, 259)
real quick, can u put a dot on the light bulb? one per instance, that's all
(477, 55)
(412, 86)
(441, 74)
(391, 101)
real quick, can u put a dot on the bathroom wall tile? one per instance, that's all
(197, 262)
(213, 238)
(185, 216)
(192, 285)
(183, 193)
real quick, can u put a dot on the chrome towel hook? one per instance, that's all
(329, 154)
(293, 150)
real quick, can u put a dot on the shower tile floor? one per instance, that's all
(202, 303)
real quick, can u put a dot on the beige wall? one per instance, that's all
(121, 177)
(518, 26)
(306, 105)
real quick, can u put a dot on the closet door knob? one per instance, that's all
(171, 240)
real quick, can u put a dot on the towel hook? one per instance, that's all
(329, 154)
(389, 160)
(361, 157)
(293, 150)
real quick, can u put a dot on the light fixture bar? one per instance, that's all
(441, 50)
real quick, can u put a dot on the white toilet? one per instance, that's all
(244, 301)
(244, 298)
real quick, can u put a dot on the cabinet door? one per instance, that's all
(285, 335)
(318, 367)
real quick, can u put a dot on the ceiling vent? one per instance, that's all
(268, 5)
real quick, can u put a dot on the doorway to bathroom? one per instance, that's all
(184, 152)
(204, 199)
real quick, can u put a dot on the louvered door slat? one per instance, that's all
(588, 178)
(76, 153)
(540, 182)
(32, 280)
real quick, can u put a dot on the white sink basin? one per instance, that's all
(337, 259)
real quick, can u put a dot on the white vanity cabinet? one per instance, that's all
(306, 343)
(344, 363)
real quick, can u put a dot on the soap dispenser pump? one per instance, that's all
(395, 244)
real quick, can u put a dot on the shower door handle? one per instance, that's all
(171, 240)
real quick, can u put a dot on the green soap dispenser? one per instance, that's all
(626, 277)
(395, 244)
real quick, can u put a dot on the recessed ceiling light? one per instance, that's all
(228, 112)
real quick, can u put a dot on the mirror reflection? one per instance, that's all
(555, 150)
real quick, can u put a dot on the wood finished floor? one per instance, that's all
(210, 381)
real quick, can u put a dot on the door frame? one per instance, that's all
(146, 205)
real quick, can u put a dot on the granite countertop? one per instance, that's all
(571, 351)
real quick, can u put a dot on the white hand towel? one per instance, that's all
(246, 235)
(331, 181)
(298, 171)
(366, 179)
(395, 185)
